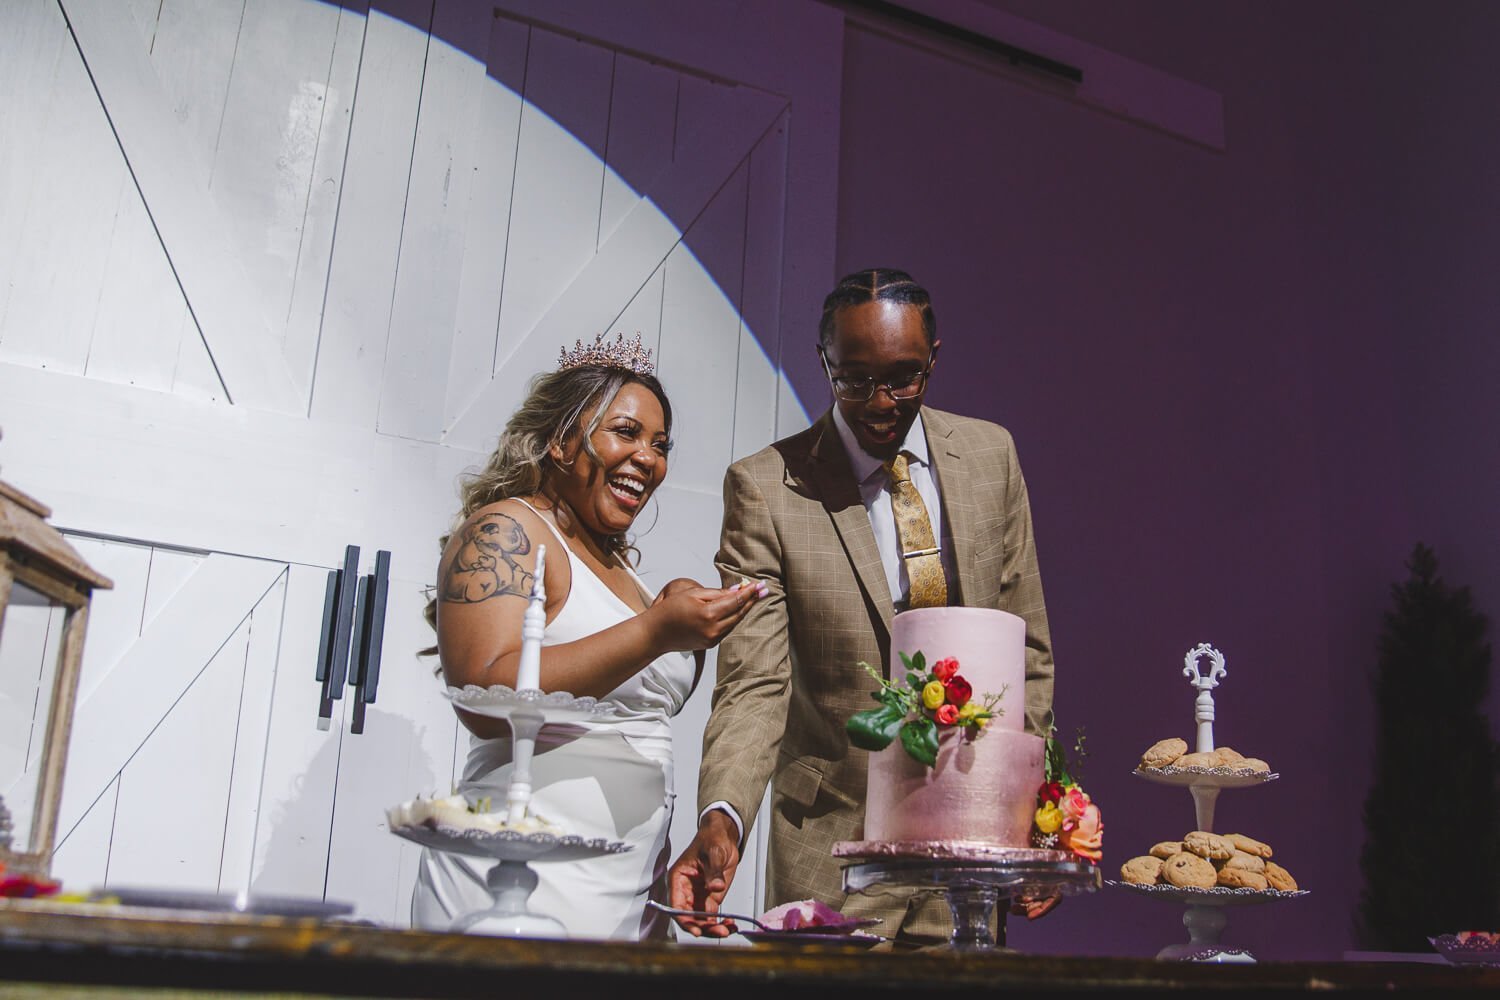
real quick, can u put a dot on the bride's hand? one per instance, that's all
(686, 616)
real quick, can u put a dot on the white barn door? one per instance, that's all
(276, 273)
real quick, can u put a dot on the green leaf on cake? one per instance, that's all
(875, 728)
(916, 663)
(919, 738)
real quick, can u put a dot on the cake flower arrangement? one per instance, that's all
(918, 707)
(1066, 818)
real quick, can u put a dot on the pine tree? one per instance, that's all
(1434, 789)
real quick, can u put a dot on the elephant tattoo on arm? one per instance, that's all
(485, 564)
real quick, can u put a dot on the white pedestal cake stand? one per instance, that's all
(975, 878)
(1205, 918)
(527, 708)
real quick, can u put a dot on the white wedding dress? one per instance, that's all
(610, 778)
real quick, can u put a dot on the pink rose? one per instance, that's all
(947, 715)
(944, 669)
(958, 691)
(1073, 804)
(1086, 837)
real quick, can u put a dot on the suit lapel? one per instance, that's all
(830, 478)
(956, 489)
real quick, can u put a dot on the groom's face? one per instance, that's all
(883, 341)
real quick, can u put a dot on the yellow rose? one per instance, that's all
(933, 694)
(1049, 818)
(967, 713)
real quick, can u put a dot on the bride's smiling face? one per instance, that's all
(631, 443)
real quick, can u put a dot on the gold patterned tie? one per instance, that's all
(924, 564)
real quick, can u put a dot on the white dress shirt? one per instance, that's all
(875, 492)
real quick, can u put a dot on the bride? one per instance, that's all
(576, 463)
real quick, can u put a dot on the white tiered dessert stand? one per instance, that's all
(1204, 918)
(528, 709)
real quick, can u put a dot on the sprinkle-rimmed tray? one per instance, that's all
(509, 845)
(1219, 895)
(944, 850)
(501, 702)
(1468, 948)
(1216, 777)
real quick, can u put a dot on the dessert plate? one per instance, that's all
(859, 938)
(1468, 948)
(215, 902)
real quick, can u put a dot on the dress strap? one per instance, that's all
(550, 526)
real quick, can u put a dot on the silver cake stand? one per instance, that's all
(974, 878)
(511, 880)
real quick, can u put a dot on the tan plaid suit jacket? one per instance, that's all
(789, 675)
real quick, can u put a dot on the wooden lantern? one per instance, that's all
(45, 589)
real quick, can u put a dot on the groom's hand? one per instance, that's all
(702, 874)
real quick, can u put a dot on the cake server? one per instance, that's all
(844, 927)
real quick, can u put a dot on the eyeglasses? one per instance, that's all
(858, 388)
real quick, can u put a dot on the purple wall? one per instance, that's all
(1243, 385)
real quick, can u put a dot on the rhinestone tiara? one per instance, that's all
(630, 355)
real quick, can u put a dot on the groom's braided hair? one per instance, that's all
(876, 284)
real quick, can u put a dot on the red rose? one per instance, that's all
(958, 691)
(1052, 791)
(947, 715)
(944, 669)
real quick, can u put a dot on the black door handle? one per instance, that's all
(373, 591)
(338, 620)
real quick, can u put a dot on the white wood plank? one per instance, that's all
(642, 124)
(477, 314)
(701, 339)
(717, 128)
(756, 376)
(1111, 83)
(554, 229)
(425, 305)
(192, 50)
(339, 82)
(170, 570)
(247, 773)
(265, 156)
(165, 166)
(405, 751)
(362, 272)
(195, 376)
(176, 841)
(140, 307)
(236, 481)
(81, 859)
(116, 720)
(643, 314)
(114, 615)
(295, 812)
(62, 177)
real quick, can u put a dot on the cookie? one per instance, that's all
(1240, 878)
(1248, 844)
(1164, 752)
(1208, 845)
(1187, 870)
(1144, 870)
(1279, 878)
(1196, 760)
(1239, 859)
(1166, 849)
(1226, 756)
(1252, 764)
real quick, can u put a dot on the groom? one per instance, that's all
(812, 516)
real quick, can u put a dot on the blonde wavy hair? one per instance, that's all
(551, 414)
